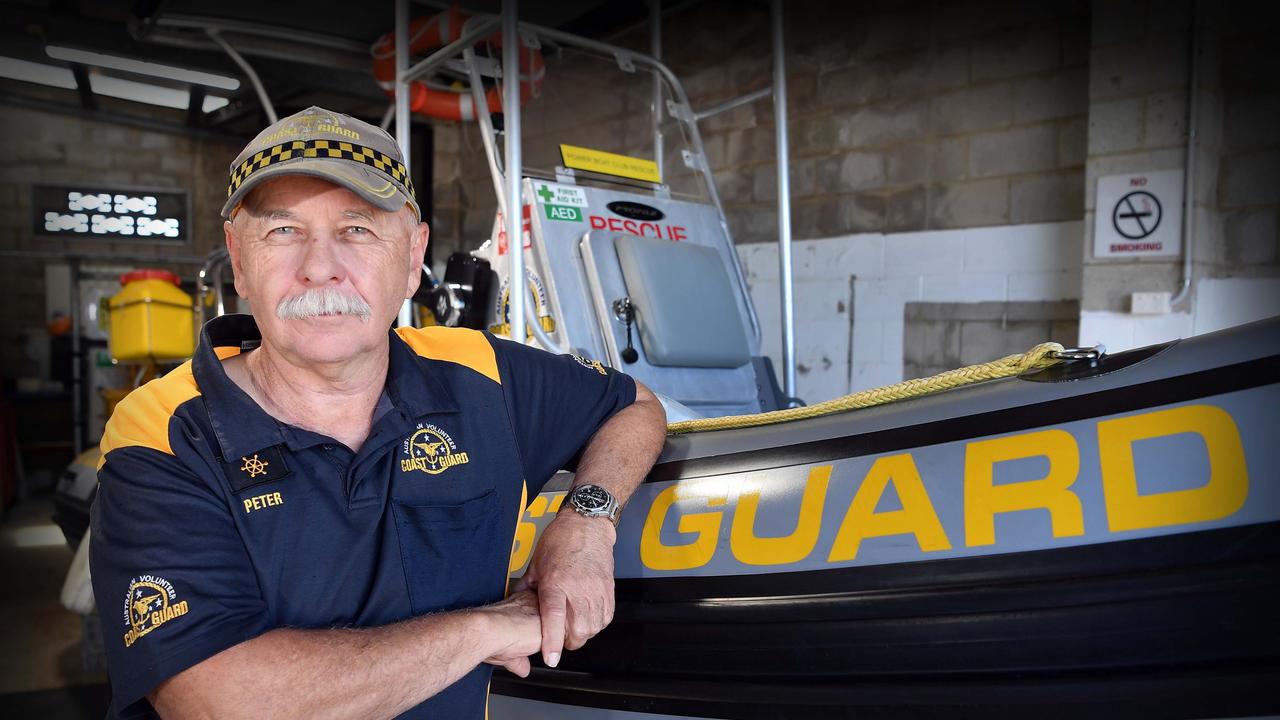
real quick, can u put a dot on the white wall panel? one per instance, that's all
(1036, 262)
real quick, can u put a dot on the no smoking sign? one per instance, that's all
(1138, 215)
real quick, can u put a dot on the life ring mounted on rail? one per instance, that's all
(426, 33)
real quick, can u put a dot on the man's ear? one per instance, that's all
(233, 250)
(417, 254)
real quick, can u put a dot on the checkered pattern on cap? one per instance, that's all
(337, 149)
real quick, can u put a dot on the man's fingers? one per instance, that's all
(607, 610)
(551, 603)
(586, 617)
(577, 620)
(519, 666)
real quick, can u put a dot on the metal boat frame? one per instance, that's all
(507, 184)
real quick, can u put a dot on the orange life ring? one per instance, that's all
(437, 31)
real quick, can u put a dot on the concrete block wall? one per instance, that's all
(852, 295)
(1140, 61)
(1138, 78)
(904, 116)
(40, 147)
(1248, 182)
(943, 336)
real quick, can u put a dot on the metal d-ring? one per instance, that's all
(1081, 353)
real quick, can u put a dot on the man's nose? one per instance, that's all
(321, 264)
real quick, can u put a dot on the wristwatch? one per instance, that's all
(594, 501)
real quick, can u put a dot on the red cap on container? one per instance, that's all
(150, 274)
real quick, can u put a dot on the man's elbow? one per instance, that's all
(652, 420)
(202, 691)
(654, 413)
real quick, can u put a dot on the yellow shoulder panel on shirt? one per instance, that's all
(455, 345)
(142, 418)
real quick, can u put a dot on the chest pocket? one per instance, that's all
(449, 551)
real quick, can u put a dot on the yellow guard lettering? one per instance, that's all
(917, 516)
(706, 525)
(1222, 495)
(754, 550)
(983, 498)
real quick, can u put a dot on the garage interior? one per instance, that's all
(948, 168)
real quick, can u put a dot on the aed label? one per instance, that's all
(674, 233)
(563, 212)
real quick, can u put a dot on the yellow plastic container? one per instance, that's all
(151, 318)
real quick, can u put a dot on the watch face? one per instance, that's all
(590, 498)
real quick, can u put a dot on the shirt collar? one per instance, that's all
(413, 388)
(239, 424)
(242, 427)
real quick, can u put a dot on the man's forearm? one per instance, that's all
(572, 566)
(340, 673)
(623, 450)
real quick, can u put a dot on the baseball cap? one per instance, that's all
(331, 146)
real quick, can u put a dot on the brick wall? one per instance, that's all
(1137, 122)
(1139, 80)
(1248, 182)
(943, 336)
(38, 147)
(904, 116)
(853, 293)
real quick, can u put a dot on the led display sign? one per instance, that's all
(95, 212)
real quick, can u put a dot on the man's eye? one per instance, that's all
(358, 230)
(284, 230)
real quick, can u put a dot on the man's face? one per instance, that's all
(298, 238)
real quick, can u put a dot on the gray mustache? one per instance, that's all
(323, 301)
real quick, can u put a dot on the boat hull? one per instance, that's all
(1100, 538)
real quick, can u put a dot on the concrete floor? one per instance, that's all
(42, 672)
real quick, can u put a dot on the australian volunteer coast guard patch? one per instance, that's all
(431, 450)
(150, 603)
(590, 364)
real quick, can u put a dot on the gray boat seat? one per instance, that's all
(686, 311)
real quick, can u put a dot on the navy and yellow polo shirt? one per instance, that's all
(214, 522)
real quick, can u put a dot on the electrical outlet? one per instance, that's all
(1149, 303)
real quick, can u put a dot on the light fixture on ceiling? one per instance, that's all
(141, 67)
(60, 77)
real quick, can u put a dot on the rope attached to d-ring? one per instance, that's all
(1040, 356)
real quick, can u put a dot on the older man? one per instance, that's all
(314, 517)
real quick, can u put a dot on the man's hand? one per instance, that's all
(572, 571)
(516, 620)
(572, 564)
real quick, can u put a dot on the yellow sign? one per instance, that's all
(605, 163)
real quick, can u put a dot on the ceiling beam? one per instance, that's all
(195, 107)
(87, 99)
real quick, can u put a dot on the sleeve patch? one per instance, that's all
(150, 603)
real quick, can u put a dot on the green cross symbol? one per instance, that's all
(545, 193)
